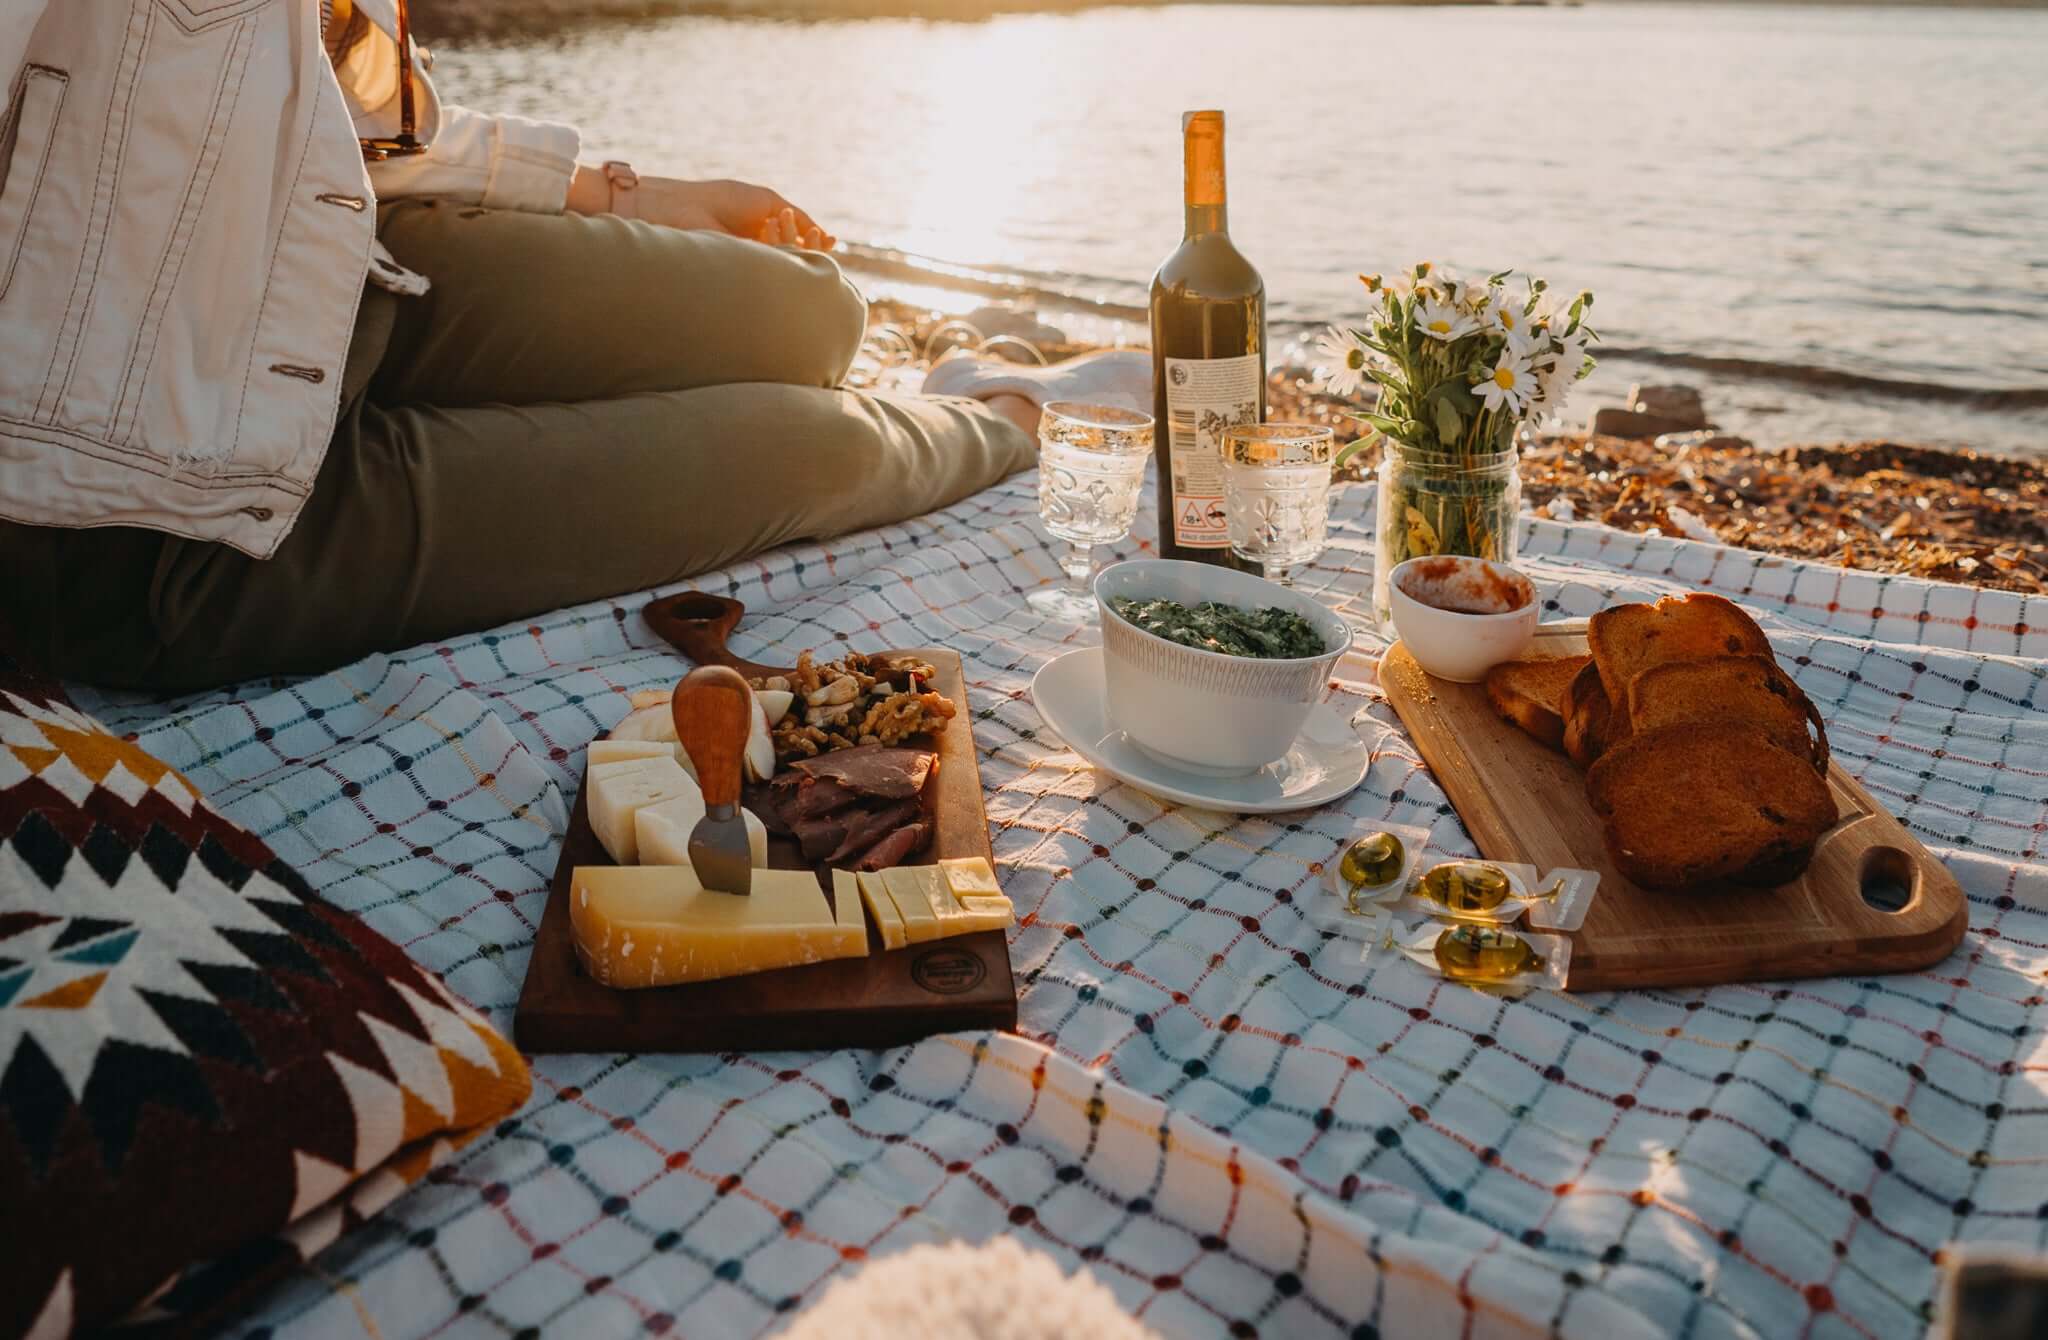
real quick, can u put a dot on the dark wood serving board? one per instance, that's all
(889, 997)
(1523, 802)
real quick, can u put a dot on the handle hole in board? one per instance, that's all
(1890, 881)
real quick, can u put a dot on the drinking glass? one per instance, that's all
(1276, 494)
(1091, 466)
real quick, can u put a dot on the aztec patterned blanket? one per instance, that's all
(1240, 1130)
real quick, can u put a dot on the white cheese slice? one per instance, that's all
(647, 723)
(883, 908)
(658, 926)
(910, 886)
(623, 751)
(615, 796)
(663, 831)
(644, 729)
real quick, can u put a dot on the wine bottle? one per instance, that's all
(1208, 355)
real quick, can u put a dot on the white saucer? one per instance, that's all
(1326, 761)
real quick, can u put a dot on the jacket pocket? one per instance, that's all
(197, 15)
(32, 126)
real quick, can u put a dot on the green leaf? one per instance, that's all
(1450, 426)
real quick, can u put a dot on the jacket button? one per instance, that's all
(259, 513)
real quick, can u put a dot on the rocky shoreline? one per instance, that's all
(1947, 515)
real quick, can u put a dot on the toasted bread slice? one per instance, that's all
(1589, 724)
(1629, 639)
(1531, 694)
(1749, 689)
(1684, 806)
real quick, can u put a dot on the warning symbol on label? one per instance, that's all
(1216, 518)
(1191, 514)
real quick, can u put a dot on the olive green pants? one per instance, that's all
(580, 407)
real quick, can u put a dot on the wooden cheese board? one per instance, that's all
(882, 1000)
(1872, 900)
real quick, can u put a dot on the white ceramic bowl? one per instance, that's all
(1460, 617)
(1209, 713)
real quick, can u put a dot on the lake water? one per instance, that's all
(1836, 219)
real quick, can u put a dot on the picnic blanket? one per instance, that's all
(1235, 1125)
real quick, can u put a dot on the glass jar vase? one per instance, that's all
(1434, 503)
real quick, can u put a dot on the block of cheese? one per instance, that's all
(615, 796)
(663, 831)
(622, 751)
(971, 877)
(597, 770)
(909, 892)
(853, 923)
(983, 904)
(656, 925)
(882, 908)
(954, 913)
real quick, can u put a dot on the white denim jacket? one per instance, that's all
(186, 225)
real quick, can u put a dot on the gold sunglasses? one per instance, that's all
(406, 143)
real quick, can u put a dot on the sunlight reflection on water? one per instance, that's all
(1860, 190)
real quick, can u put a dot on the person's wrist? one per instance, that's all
(589, 192)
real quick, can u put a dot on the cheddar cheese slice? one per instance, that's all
(615, 796)
(644, 926)
(883, 909)
(662, 830)
(853, 923)
(979, 903)
(910, 886)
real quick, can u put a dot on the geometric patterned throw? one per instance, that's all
(206, 1073)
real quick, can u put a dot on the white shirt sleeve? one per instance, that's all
(502, 162)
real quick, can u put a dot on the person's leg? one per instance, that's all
(536, 308)
(426, 523)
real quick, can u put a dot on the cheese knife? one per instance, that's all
(713, 709)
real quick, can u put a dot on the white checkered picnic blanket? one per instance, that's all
(1226, 1118)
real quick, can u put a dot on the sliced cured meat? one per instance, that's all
(759, 801)
(812, 796)
(885, 771)
(898, 847)
(821, 836)
(866, 828)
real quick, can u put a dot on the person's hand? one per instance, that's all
(736, 207)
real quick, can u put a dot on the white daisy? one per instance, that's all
(1510, 385)
(1442, 321)
(1340, 362)
(1557, 371)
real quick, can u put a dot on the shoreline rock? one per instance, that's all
(1935, 512)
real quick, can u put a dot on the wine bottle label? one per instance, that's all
(1204, 396)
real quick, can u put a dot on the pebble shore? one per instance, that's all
(1943, 514)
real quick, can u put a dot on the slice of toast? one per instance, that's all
(1629, 639)
(1531, 694)
(1749, 689)
(1686, 806)
(1589, 724)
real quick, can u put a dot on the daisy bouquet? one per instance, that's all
(1460, 365)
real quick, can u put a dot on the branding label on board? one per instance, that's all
(947, 971)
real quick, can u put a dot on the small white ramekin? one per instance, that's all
(1222, 716)
(1495, 623)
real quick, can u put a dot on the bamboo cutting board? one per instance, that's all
(882, 1000)
(1523, 802)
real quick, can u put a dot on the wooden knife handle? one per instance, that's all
(714, 710)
